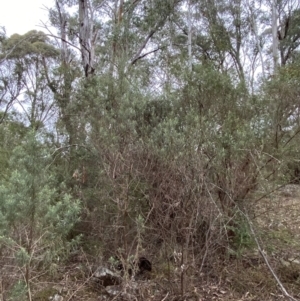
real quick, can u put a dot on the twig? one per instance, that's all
(136, 57)
(145, 54)
(80, 287)
(165, 297)
(2, 289)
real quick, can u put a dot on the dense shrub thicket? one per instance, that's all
(124, 152)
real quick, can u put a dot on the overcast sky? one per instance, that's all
(20, 16)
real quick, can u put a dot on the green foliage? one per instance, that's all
(45, 294)
(18, 291)
(33, 43)
(281, 107)
(156, 149)
(289, 35)
(241, 236)
(35, 214)
(12, 133)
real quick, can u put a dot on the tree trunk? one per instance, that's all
(85, 37)
(190, 35)
(255, 31)
(274, 35)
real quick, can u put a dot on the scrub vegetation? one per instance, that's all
(156, 142)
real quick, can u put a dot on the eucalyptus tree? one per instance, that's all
(289, 35)
(170, 76)
(10, 81)
(28, 56)
(12, 133)
(281, 30)
(112, 41)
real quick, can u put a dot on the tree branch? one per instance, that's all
(145, 54)
(137, 56)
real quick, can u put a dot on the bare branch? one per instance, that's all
(145, 54)
(151, 33)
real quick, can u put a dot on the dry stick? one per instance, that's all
(165, 297)
(182, 272)
(81, 286)
(2, 289)
(261, 251)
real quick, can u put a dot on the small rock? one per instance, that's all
(56, 297)
(285, 263)
(113, 290)
(106, 277)
(294, 260)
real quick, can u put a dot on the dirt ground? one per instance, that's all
(246, 277)
(243, 277)
(279, 218)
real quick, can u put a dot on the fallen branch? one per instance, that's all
(263, 255)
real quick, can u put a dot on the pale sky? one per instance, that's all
(20, 16)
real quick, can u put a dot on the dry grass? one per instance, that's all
(245, 277)
(231, 278)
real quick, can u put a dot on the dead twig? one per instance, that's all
(263, 255)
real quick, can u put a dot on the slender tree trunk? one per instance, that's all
(255, 31)
(118, 13)
(63, 34)
(274, 35)
(190, 34)
(85, 37)
(238, 40)
(64, 97)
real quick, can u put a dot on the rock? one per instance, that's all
(113, 290)
(106, 277)
(285, 263)
(56, 297)
(294, 260)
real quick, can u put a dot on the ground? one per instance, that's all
(245, 276)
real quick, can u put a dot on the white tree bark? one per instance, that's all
(255, 31)
(87, 38)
